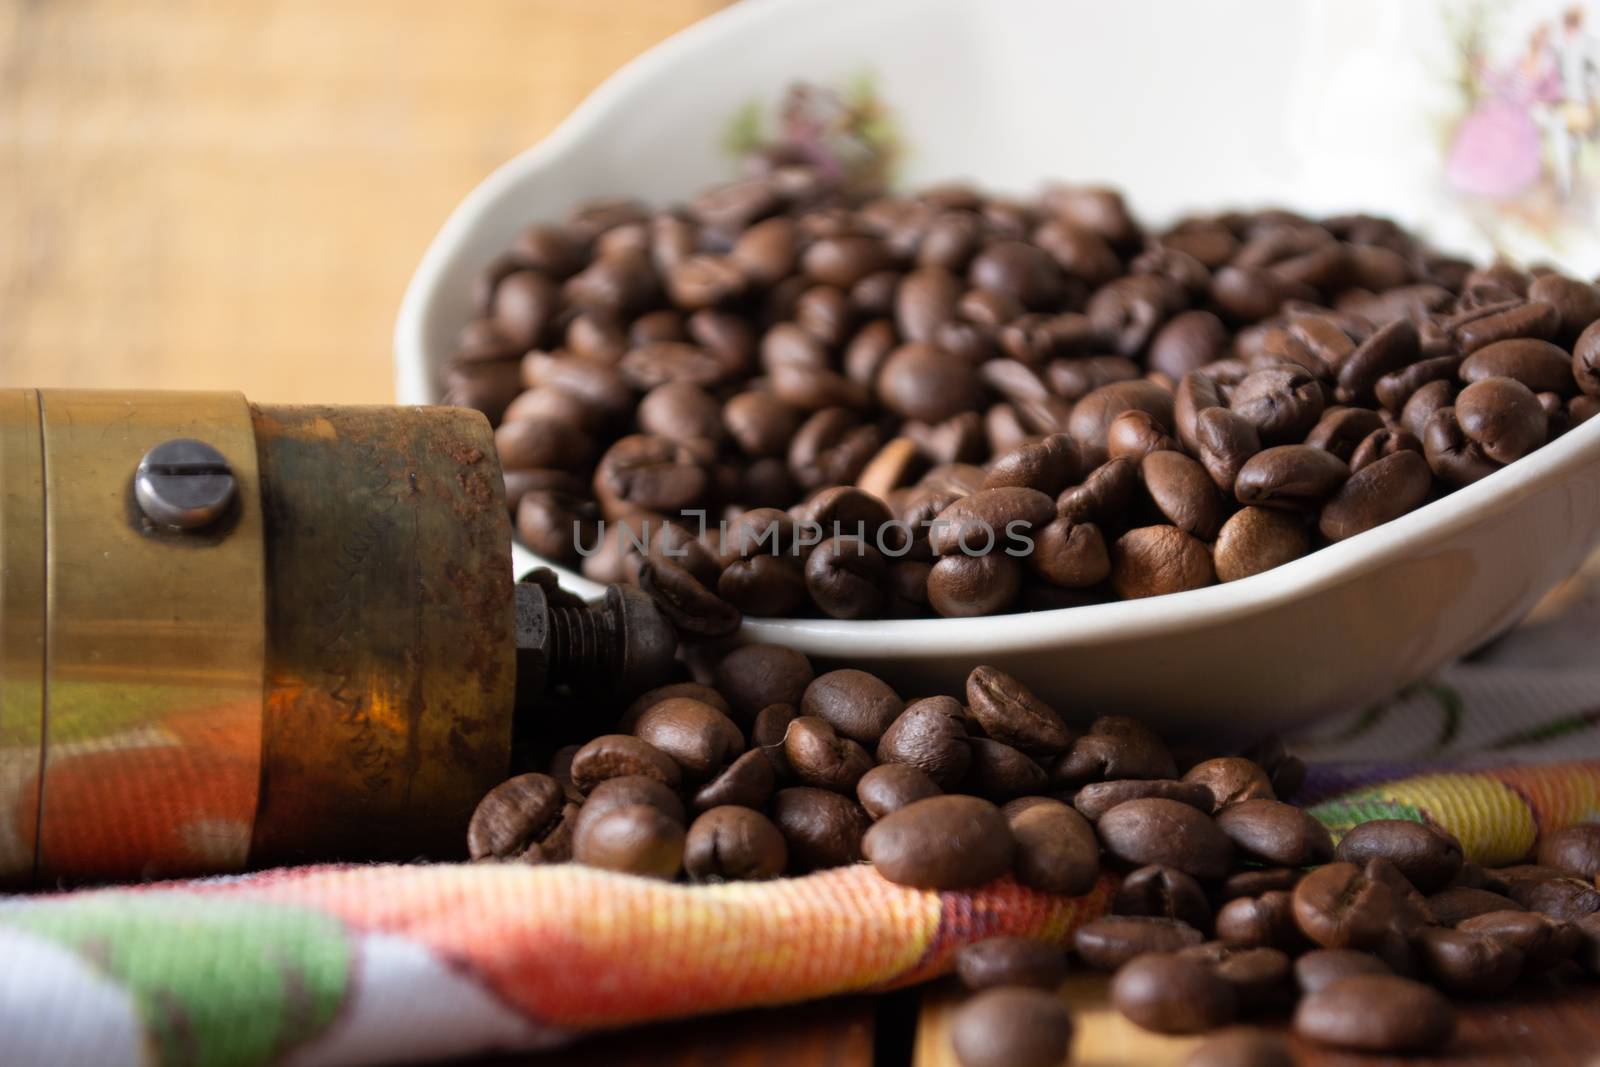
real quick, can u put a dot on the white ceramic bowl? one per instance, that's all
(1317, 106)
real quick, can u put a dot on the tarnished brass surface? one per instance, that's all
(390, 663)
(21, 632)
(155, 642)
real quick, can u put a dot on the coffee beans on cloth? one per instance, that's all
(1233, 906)
(854, 404)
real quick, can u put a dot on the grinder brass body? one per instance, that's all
(325, 671)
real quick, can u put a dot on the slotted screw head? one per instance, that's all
(184, 484)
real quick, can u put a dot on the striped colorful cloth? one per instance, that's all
(357, 965)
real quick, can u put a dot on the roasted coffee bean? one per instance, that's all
(746, 782)
(1110, 941)
(1166, 832)
(989, 520)
(757, 675)
(1338, 906)
(930, 737)
(1070, 554)
(1165, 893)
(1115, 747)
(1502, 417)
(1292, 477)
(689, 606)
(1046, 465)
(1543, 942)
(1391, 347)
(1382, 490)
(760, 423)
(526, 818)
(649, 699)
(831, 448)
(1376, 1013)
(897, 463)
(1574, 849)
(1586, 360)
(770, 725)
(733, 844)
(962, 586)
(822, 829)
(918, 381)
(820, 757)
(1267, 920)
(1011, 1027)
(1342, 429)
(1530, 319)
(1097, 798)
(1229, 780)
(1011, 961)
(1283, 403)
(1274, 832)
(1568, 899)
(859, 705)
(547, 444)
(1000, 772)
(1260, 977)
(1171, 994)
(699, 737)
(1157, 560)
(1422, 405)
(619, 755)
(1225, 441)
(845, 577)
(649, 473)
(891, 786)
(1321, 967)
(1254, 881)
(1056, 849)
(1183, 492)
(1010, 713)
(1092, 416)
(1458, 903)
(1187, 342)
(1256, 539)
(635, 839)
(1455, 458)
(1467, 964)
(842, 261)
(1104, 494)
(1539, 365)
(1577, 304)
(1428, 857)
(1397, 387)
(1136, 434)
(943, 842)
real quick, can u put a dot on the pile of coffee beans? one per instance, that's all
(1233, 904)
(1090, 410)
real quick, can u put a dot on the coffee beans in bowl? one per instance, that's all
(860, 405)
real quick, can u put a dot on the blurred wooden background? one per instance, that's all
(232, 195)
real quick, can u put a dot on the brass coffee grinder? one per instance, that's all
(237, 635)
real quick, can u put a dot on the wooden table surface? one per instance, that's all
(232, 196)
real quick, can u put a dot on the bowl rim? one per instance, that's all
(1408, 535)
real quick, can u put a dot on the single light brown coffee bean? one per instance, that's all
(1225, 441)
(1539, 365)
(1011, 961)
(1230, 779)
(1187, 342)
(733, 844)
(1170, 994)
(1070, 554)
(999, 772)
(929, 736)
(1338, 906)
(1256, 539)
(1097, 798)
(1166, 832)
(747, 782)
(1165, 893)
(1294, 477)
(628, 790)
(1502, 417)
(859, 705)
(1266, 920)
(1427, 856)
(1009, 712)
(1283, 403)
(944, 842)
(989, 520)
(1376, 1013)
(1011, 1027)
(1157, 560)
(1381, 491)
(1104, 495)
(755, 676)
(845, 578)
(1056, 849)
(1184, 493)
(891, 786)
(1110, 941)
(635, 839)
(1321, 967)
(521, 819)
(699, 737)
(919, 381)
(1272, 832)
(1574, 849)
(1047, 465)
(962, 586)
(1467, 964)
(619, 755)
(1136, 434)
(821, 828)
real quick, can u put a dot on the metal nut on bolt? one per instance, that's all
(184, 484)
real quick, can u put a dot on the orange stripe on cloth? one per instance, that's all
(581, 948)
